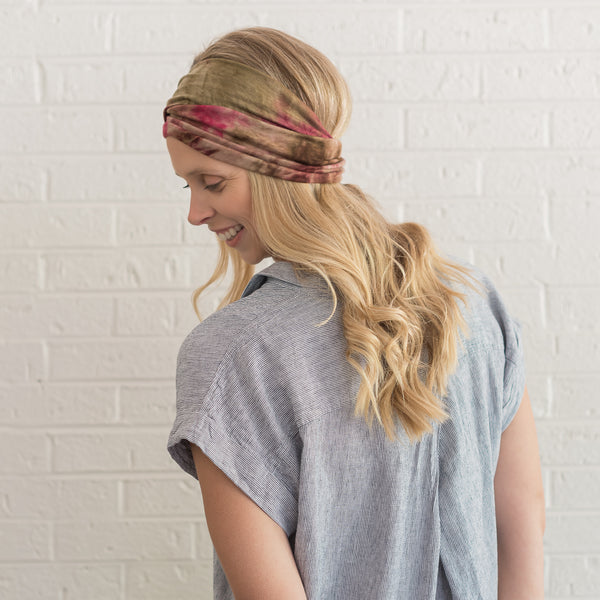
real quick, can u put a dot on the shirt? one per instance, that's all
(265, 390)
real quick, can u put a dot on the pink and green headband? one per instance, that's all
(241, 116)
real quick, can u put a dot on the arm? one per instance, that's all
(520, 517)
(254, 550)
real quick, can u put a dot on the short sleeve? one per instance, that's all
(514, 374)
(232, 404)
(514, 364)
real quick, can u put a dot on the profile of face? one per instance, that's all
(220, 198)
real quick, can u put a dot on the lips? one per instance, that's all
(229, 234)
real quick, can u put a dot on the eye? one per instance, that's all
(214, 187)
(185, 187)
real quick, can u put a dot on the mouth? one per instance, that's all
(230, 235)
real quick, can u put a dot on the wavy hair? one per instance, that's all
(398, 297)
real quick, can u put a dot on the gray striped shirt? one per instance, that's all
(269, 397)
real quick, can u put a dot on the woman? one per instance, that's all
(356, 413)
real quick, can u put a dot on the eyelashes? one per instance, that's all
(215, 187)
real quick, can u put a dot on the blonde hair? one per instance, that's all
(400, 311)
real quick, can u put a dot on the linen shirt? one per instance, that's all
(265, 390)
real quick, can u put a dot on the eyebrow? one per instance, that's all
(199, 172)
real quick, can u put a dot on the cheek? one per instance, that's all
(244, 205)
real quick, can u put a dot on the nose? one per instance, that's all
(200, 211)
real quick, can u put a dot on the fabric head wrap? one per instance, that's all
(240, 116)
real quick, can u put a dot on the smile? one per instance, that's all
(230, 233)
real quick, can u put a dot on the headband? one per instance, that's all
(243, 117)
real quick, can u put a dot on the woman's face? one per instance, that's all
(220, 199)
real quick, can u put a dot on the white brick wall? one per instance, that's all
(478, 119)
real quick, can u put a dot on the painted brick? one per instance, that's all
(526, 305)
(581, 252)
(572, 533)
(145, 405)
(574, 576)
(412, 174)
(69, 31)
(91, 80)
(24, 453)
(204, 2)
(361, 29)
(163, 33)
(114, 452)
(150, 226)
(156, 497)
(374, 126)
(203, 544)
(575, 397)
(55, 227)
(574, 309)
(138, 129)
(114, 178)
(451, 248)
(479, 220)
(19, 272)
(112, 359)
(569, 443)
(194, 235)
(517, 265)
(554, 77)
(202, 263)
(576, 126)
(576, 221)
(476, 127)
(539, 350)
(145, 316)
(22, 362)
(118, 270)
(539, 387)
(55, 130)
(100, 307)
(72, 499)
(17, 31)
(109, 540)
(153, 580)
(48, 404)
(53, 580)
(185, 317)
(576, 354)
(51, 316)
(575, 28)
(19, 82)
(24, 541)
(542, 260)
(473, 29)
(23, 180)
(411, 78)
(574, 490)
(153, 79)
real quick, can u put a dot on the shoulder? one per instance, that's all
(276, 307)
(487, 317)
(492, 357)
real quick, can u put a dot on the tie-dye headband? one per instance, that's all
(238, 115)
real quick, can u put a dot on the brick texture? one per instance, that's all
(479, 120)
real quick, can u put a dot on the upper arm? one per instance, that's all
(254, 550)
(518, 479)
(519, 497)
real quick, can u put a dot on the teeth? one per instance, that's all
(230, 233)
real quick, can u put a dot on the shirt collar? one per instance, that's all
(283, 271)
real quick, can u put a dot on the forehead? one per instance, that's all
(186, 160)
